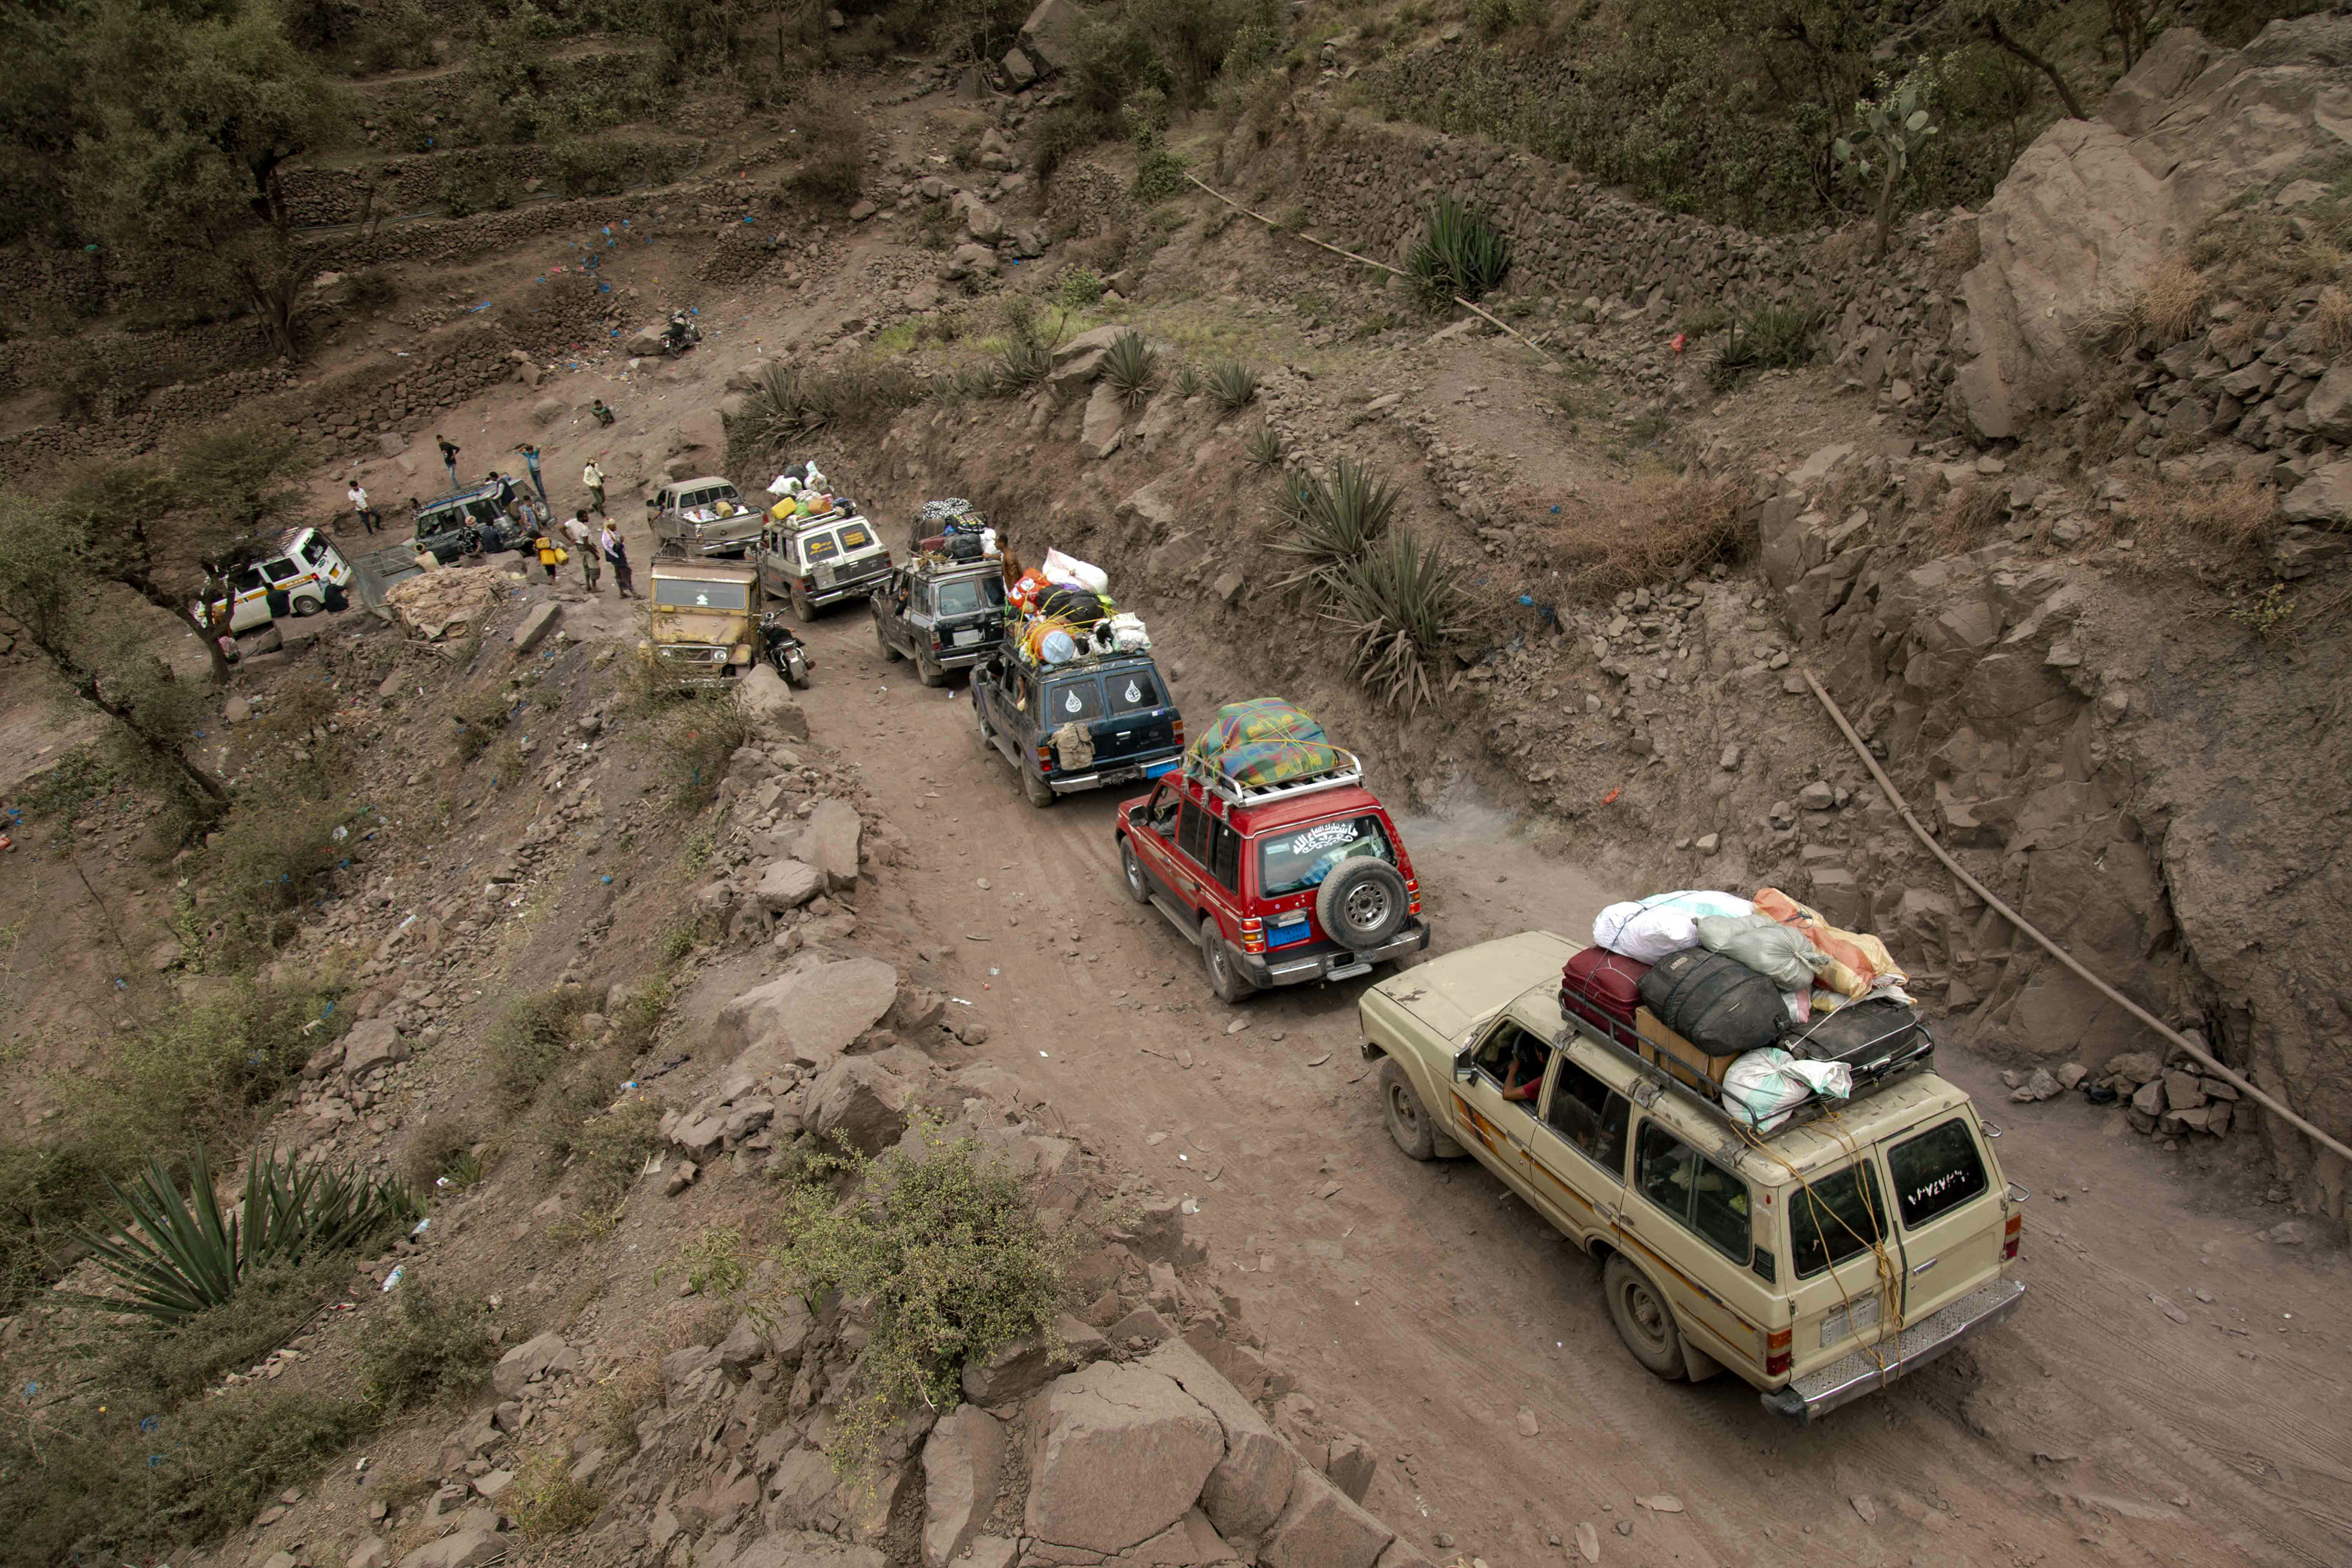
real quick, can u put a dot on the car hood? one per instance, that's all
(700, 627)
(1451, 994)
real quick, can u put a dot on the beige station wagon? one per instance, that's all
(1818, 1262)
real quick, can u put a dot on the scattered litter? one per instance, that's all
(392, 1279)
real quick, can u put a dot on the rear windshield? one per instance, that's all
(1833, 1217)
(962, 595)
(314, 550)
(854, 536)
(686, 594)
(1938, 1171)
(820, 546)
(1072, 700)
(1301, 857)
(1133, 692)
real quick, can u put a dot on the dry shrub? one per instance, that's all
(2176, 292)
(1969, 517)
(2332, 321)
(2214, 524)
(1844, 252)
(1956, 250)
(1654, 531)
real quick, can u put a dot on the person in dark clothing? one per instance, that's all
(617, 551)
(449, 458)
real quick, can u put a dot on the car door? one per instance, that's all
(249, 605)
(1151, 834)
(1692, 1221)
(1186, 872)
(1576, 1157)
(887, 614)
(1839, 1223)
(1220, 883)
(1948, 1200)
(1496, 1099)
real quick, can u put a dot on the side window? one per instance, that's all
(1708, 1201)
(1161, 812)
(1515, 1059)
(1833, 1217)
(1192, 832)
(1226, 855)
(249, 579)
(1590, 1115)
(1938, 1171)
(278, 570)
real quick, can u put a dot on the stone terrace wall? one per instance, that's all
(408, 185)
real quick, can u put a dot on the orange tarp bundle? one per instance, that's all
(1858, 958)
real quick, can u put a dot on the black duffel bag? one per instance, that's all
(1713, 1001)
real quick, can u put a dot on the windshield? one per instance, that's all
(1132, 692)
(687, 593)
(1072, 700)
(1938, 1170)
(1833, 1217)
(1301, 857)
(962, 595)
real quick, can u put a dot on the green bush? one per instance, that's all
(1130, 366)
(479, 186)
(1334, 523)
(1078, 288)
(269, 861)
(1771, 337)
(1460, 254)
(945, 1251)
(584, 168)
(204, 1072)
(1158, 172)
(1234, 385)
(790, 401)
(180, 1362)
(528, 1044)
(1262, 448)
(832, 140)
(428, 1349)
(1397, 604)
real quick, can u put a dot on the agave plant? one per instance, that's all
(1460, 254)
(1397, 604)
(1023, 363)
(1233, 383)
(1186, 380)
(178, 1257)
(1129, 366)
(1334, 523)
(1262, 448)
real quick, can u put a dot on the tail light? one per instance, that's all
(1412, 886)
(937, 642)
(1180, 729)
(1253, 934)
(2011, 1234)
(1044, 759)
(1777, 1356)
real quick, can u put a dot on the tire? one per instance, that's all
(881, 640)
(1362, 903)
(1407, 1118)
(796, 673)
(1638, 1308)
(1138, 886)
(802, 607)
(1226, 977)
(307, 607)
(1039, 792)
(928, 672)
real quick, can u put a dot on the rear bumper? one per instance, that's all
(1268, 969)
(851, 588)
(1126, 771)
(1852, 1376)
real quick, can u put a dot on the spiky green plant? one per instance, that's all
(1234, 385)
(177, 1256)
(1023, 363)
(1770, 337)
(1130, 366)
(1186, 380)
(1333, 524)
(788, 401)
(1262, 448)
(1397, 604)
(1460, 254)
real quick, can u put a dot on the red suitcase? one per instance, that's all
(1603, 989)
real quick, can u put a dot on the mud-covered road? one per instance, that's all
(2174, 1390)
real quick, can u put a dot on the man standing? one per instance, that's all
(594, 478)
(367, 514)
(531, 466)
(617, 551)
(449, 458)
(584, 545)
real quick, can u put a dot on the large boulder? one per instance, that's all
(2090, 210)
(1245, 1493)
(372, 1044)
(1322, 1528)
(861, 1103)
(1120, 1454)
(763, 699)
(2325, 500)
(535, 626)
(536, 1357)
(1051, 34)
(809, 1016)
(787, 885)
(466, 1548)
(1105, 416)
(963, 1459)
(834, 837)
(806, 1549)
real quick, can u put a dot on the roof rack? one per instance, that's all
(1349, 771)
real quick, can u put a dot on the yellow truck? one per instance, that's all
(708, 621)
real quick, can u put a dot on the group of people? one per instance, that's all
(593, 548)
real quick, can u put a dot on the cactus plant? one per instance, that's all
(1890, 134)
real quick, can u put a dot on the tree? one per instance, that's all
(179, 180)
(48, 566)
(1985, 21)
(1890, 133)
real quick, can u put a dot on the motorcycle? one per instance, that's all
(683, 334)
(785, 650)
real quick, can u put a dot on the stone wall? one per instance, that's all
(407, 186)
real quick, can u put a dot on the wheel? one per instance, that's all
(1040, 793)
(1644, 1321)
(1362, 903)
(308, 607)
(1225, 977)
(927, 671)
(802, 607)
(1138, 887)
(1408, 1121)
(881, 638)
(796, 671)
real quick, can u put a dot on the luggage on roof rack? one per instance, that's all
(1265, 749)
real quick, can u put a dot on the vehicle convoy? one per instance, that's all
(821, 560)
(1818, 1260)
(707, 516)
(943, 614)
(1269, 855)
(298, 573)
(709, 620)
(1079, 725)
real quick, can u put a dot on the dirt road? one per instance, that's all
(1425, 1310)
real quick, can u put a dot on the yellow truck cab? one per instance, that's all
(704, 619)
(1818, 1262)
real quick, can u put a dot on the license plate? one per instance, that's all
(1157, 769)
(1849, 1321)
(966, 639)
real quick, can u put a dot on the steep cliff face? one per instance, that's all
(2094, 206)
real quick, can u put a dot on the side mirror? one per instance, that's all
(1464, 1064)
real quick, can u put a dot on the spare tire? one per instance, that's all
(1362, 903)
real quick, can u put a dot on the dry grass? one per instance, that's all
(2214, 526)
(1969, 517)
(1956, 250)
(2175, 294)
(1651, 530)
(1843, 253)
(2332, 321)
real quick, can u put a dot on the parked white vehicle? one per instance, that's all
(299, 574)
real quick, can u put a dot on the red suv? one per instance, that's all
(1297, 882)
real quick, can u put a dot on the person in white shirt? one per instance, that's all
(576, 529)
(594, 478)
(368, 515)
